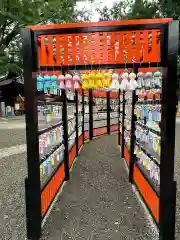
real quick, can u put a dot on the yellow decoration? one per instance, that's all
(84, 79)
(85, 85)
(91, 80)
(52, 161)
(159, 147)
(138, 113)
(41, 174)
(128, 141)
(138, 154)
(147, 164)
(51, 116)
(107, 77)
(99, 77)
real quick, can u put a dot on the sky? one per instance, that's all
(94, 5)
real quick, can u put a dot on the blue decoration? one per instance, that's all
(47, 85)
(54, 85)
(39, 86)
(40, 78)
(46, 40)
(53, 78)
(47, 78)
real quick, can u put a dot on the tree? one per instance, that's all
(117, 12)
(15, 14)
(169, 8)
(143, 9)
(140, 9)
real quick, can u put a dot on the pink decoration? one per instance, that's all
(76, 85)
(76, 78)
(68, 84)
(68, 81)
(61, 77)
(61, 85)
(68, 77)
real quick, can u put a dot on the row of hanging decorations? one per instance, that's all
(103, 81)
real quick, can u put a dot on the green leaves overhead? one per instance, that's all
(138, 9)
(15, 14)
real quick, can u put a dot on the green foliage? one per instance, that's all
(143, 9)
(140, 9)
(15, 14)
(117, 12)
(169, 8)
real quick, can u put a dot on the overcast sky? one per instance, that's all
(94, 5)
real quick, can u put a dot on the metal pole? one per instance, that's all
(90, 115)
(65, 126)
(132, 157)
(119, 103)
(123, 117)
(108, 111)
(83, 114)
(77, 123)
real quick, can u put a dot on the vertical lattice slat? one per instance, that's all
(43, 55)
(65, 45)
(58, 54)
(50, 51)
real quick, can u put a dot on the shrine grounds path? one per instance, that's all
(81, 211)
(98, 202)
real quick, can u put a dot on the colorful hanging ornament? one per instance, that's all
(46, 41)
(133, 83)
(157, 79)
(68, 81)
(54, 85)
(148, 79)
(115, 82)
(41, 172)
(61, 79)
(47, 80)
(53, 78)
(76, 80)
(40, 84)
(84, 80)
(99, 78)
(107, 80)
(125, 83)
(140, 79)
(92, 80)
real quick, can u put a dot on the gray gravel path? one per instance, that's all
(12, 203)
(98, 202)
(12, 137)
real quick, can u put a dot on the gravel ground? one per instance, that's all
(13, 137)
(98, 202)
(12, 204)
